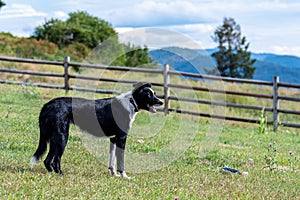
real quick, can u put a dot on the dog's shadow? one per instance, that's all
(22, 169)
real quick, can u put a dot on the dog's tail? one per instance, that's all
(39, 152)
(44, 139)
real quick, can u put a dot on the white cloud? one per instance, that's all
(152, 13)
(20, 19)
(159, 13)
(19, 11)
(278, 5)
(199, 33)
(286, 50)
(192, 28)
(121, 30)
(60, 15)
(156, 38)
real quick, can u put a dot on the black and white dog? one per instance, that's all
(110, 117)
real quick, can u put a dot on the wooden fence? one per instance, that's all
(167, 86)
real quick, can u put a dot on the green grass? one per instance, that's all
(194, 174)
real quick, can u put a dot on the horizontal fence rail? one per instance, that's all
(14, 71)
(166, 73)
(205, 89)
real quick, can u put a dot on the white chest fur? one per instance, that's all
(124, 99)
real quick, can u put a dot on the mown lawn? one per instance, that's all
(194, 174)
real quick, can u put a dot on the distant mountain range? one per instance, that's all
(195, 61)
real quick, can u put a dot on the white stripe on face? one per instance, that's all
(152, 91)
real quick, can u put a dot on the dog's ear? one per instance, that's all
(140, 85)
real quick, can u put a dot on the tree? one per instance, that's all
(88, 29)
(137, 56)
(54, 31)
(83, 29)
(80, 27)
(233, 58)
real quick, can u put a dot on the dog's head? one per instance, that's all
(145, 97)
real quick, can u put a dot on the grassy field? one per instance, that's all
(194, 174)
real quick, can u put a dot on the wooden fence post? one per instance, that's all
(66, 73)
(275, 103)
(166, 88)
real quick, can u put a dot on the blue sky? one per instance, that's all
(270, 26)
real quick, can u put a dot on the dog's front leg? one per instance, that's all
(120, 150)
(112, 157)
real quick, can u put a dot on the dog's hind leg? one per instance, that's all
(59, 142)
(49, 159)
(56, 164)
(57, 146)
(60, 145)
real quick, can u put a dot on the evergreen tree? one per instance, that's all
(233, 58)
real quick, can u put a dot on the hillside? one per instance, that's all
(267, 65)
(183, 59)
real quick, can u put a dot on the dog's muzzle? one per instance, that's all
(153, 108)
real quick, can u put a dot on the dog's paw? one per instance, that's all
(124, 175)
(112, 172)
(33, 161)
